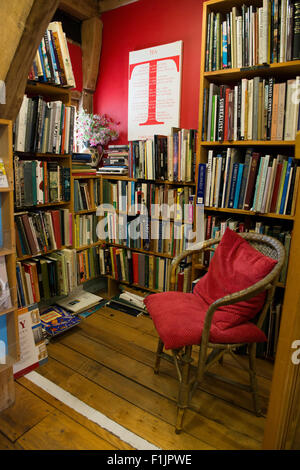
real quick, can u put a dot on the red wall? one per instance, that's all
(76, 61)
(140, 25)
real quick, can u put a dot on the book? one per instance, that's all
(5, 296)
(3, 340)
(33, 350)
(3, 175)
(79, 301)
(56, 320)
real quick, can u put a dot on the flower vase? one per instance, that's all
(96, 154)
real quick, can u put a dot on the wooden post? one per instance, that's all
(283, 405)
(7, 388)
(91, 41)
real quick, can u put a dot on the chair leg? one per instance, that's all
(253, 380)
(184, 389)
(159, 350)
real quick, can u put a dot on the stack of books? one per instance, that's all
(40, 182)
(38, 232)
(116, 156)
(41, 278)
(256, 182)
(52, 62)
(170, 158)
(81, 165)
(44, 126)
(253, 109)
(253, 35)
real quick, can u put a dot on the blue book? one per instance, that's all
(238, 185)
(285, 184)
(235, 170)
(3, 339)
(224, 45)
(81, 157)
(201, 183)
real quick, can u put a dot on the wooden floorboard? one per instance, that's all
(107, 362)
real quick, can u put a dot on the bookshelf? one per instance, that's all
(283, 404)
(46, 201)
(8, 312)
(157, 257)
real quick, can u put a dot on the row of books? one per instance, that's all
(88, 264)
(150, 199)
(254, 109)
(52, 62)
(260, 183)
(253, 35)
(87, 194)
(159, 236)
(141, 269)
(215, 226)
(170, 158)
(44, 277)
(40, 182)
(41, 231)
(85, 229)
(44, 127)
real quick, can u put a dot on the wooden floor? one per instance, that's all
(107, 362)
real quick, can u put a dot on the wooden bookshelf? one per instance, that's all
(8, 250)
(52, 92)
(49, 93)
(112, 282)
(284, 410)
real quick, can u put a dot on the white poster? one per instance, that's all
(154, 90)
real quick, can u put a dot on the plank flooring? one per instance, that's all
(107, 362)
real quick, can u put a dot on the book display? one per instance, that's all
(247, 169)
(33, 350)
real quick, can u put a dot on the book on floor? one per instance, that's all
(79, 301)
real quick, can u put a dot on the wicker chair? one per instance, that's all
(209, 352)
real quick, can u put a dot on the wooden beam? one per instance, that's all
(80, 9)
(38, 19)
(106, 5)
(12, 23)
(87, 101)
(91, 41)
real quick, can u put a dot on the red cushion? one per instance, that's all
(179, 319)
(235, 265)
